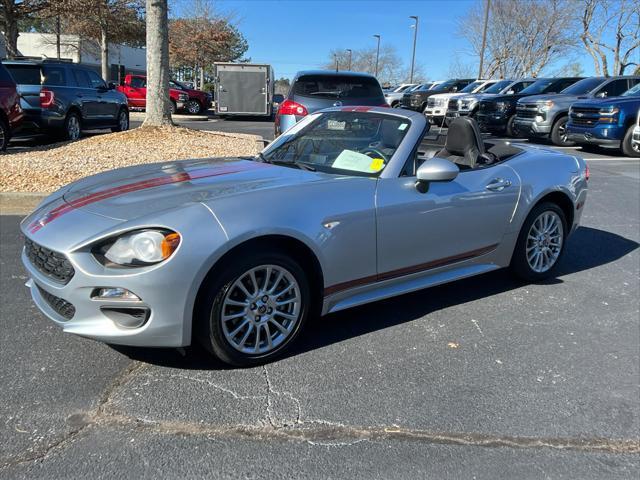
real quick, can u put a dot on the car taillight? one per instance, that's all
(46, 98)
(587, 174)
(289, 107)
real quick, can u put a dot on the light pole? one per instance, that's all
(335, 56)
(350, 53)
(377, 54)
(415, 36)
(484, 37)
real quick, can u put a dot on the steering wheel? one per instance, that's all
(377, 152)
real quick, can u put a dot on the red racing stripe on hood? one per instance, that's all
(137, 186)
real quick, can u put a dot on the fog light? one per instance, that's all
(127, 317)
(114, 293)
(539, 118)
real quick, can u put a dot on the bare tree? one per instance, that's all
(615, 19)
(12, 12)
(523, 37)
(158, 108)
(459, 69)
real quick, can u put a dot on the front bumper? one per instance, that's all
(606, 137)
(492, 122)
(435, 112)
(532, 128)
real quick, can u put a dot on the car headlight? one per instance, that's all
(138, 248)
(545, 106)
(609, 110)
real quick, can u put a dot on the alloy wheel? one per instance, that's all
(123, 121)
(193, 107)
(261, 309)
(3, 139)
(544, 242)
(73, 128)
(562, 130)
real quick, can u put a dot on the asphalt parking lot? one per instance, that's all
(483, 378)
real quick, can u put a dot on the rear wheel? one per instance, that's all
(173, 108)
(628, 148)
(194, 107)
(4, 135)
(541, 243)
(254, 308)
(72, 127)
(559, 133)
(123, 121)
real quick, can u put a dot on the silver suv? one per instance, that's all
(315, 90)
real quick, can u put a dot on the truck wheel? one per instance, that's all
(4, 135)
(194, 107)
(72, 127)
(511, 130)
(123, 121)
(396, 104)
(559, 133)
(172, 107)
(627, 147)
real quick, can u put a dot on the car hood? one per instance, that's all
(134, 192)
(557, 97)
(609, 101)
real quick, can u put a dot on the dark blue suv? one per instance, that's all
(63, 98)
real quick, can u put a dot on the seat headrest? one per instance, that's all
(463, 135)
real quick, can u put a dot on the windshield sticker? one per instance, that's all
(335, 125)
(376, 165)
(359, 162)
(403, 126)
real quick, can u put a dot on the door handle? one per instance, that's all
(498, 184)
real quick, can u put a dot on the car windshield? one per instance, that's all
(337, 86)
(445, 85)
(538, 87)
(498, 87)
(471, 87)
(632, 92)
(176, 85)
(343, 143)
(403, 88)
(25, 74)
(583, 86)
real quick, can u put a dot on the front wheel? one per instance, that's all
(512, 129)
(72, 127)
(540, 243)
(254, 309)
(173, 108)
(559, 133)
(628, 148)
(194, 107)
(4, 135)
(123, 121)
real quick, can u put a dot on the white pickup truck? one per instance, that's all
(437, 104)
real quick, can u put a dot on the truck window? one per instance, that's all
(54, 75)
(614, 88)
(336, 86)
(138, 82)
(82, 79)
(96, 80)
(25, 74)
(583, 87)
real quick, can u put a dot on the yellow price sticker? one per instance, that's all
(376, 164)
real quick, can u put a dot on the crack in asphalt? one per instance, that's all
(313, 432)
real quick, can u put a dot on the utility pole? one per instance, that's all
(484, 37)
(335, 56)
(415, 37)
(350, 53)
(377, 54)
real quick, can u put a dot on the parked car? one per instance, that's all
(607, 122)
(437, 104)
(337, 212)
(417, 100)
(467, 105)
(635, 138)
(63, 98)
(198, 101)
(134, 87)
(394, 97)
(497, 114)
(11, 113)
(316, 89)
(544, 116)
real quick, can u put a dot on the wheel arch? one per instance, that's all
(298, 249)
(560, 198)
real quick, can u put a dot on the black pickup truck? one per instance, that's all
(417, 99)
(497, 114)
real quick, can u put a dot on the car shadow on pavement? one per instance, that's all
(587, 248)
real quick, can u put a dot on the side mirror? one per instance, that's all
(435, 170)
(511, 92)
(454, 89)
(111, 85)
(601, 94)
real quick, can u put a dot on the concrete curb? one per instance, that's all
(19, 203)
(177, 118)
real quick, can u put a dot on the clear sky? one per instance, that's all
(295, 35)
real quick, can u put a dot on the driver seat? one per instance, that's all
(464, 144)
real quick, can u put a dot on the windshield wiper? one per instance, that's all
(300, 165)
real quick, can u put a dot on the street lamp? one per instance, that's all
(350, 53)
(415, 36)
(377, 53)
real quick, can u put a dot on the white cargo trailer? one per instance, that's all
(243, 89)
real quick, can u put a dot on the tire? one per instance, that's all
(123, 121)
(194, 107)
(173, 108)
(511, 130)
(524, 262)
(627, 147)
(72, 127)
(396, 104)
(559, 132)
(239, 340)
(5, 134)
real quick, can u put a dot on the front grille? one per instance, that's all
(453, 105)
(60, 306)
(526, 113)
(52, 264)
(584, 122)
(485, 106)
(406, 100)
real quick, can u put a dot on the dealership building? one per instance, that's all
(122, 58)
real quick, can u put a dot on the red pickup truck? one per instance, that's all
(135, 89)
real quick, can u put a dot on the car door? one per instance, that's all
(85, 96)
(107, 109)
(136, 92)
(454, 221)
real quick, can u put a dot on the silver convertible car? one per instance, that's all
(347, 207)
